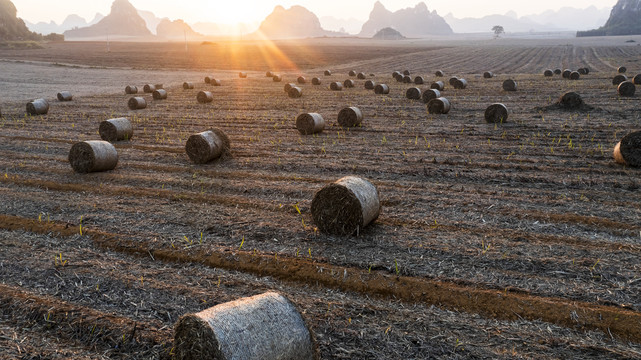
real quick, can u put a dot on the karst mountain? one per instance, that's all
(123, 20)
(625, 19)
(415, 22)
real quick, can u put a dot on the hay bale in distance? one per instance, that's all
(269, 74)
(566, 73)
(148, 88)
(496, 113)
(439, 73)
(586, 70)
(350, 117)
(406, 72)
(204, 97)
(626, 88)
(336, 86)
(619, 79)
(207, 146)
(295, 92)
(438, 85)
(400, 78)
(581, 71)
(637, 79)
(137, 103)
(160, 94)
(488, 75)
(349, 83)
(361, 76)
(310, 123)
(381, 89)
(208, 79)
(327, 73)
(419, 80)
(117, 129)
(413, 93)
(64, 96)
(265, 326)
(93, 156)
(288, 86)
(242, 75)
(570, 100)
(277, 78)
(131, 89)
(396, 73)
(548, 73)
(215, 82)
(351, 73)
(37, 107)
(188, 86)
(509, 85)
(575, 75)
(460, 84)
(628, 150)
(430, 94)
(558, 71)
(370, 85)
(438, 106)
(301, 80)
(407, 79)
(346, 206)
(622, 70)
(316, 81)
(452, 80)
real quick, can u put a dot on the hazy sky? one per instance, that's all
(231, 11)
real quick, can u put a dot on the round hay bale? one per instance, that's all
(381, 89)
(361, 76)
(575, 75)
(93, 156)
(336, 86)
(452, 80)
(566, 73)
(351, 73)
(207, 146)
(346, 206)
(622, 70)
(148, 88)
(628, 150)
(460, 84)
(370, 85)
(430, 94)
(327, 73)
(419, 80)
(288, 86)
(439, 73)
(581, 71)
(626, 88)
(619, 79)
(242, 75)
(37, 107)
(438, 106)
(269, 74)
(277, 78)
(413, 93)
(586, 70)
(396, 73)
(548, 73)
(637, 79)
(204, 97)
(310, 123)
(215, 82)
(437, 85)
(400, 78)
(188, 86)
(137, 103)
(558, 71)
(266, 326)
(570, 100)
(295, 92)
(64, 96)
(349, 83)
(407, 79)
(406, 73)
(316, 81)
(350, 117)
(488, 75)
(496, 113)
(118, 129)
(208, 79)
(131, 89)
(160, 94)
(301, 80)
(509, 85)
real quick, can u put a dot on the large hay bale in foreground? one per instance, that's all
(37, 107)
(509, 85)
(93, 156)
(438, 106)
(381, 89)
(350, 117)
(413, 93)
(336, 86)
(160, 94)
(438, 85)
(419, 80)
(188, 86)
(148, 88)
(548, 73)
(460, 84)
(316, 81)
(207, 146)
(295, 92)
(370, 85)
(346, 206)
(117, 129)
(622, 69)
(628, 150)
(137, 103)
(626, 88)
(261, 327)
(496, 113)
(131, 89)
(430, 94)
(310, 123)
(619, 79)
(204, 97)
(349, 83)
(64, 96)
(488, 75)
(571, 100)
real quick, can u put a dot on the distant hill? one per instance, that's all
(625, 19)
(11, 26)
(295, 22)
(350, 26)
(123, 20)
(568, 18)
(151, 20)
(177, 29)
(413, 22)
(388, 34)
(477, 25)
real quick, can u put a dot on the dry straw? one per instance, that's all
(137, 103)
(381, 89)
(370, 85)
(570, 100)
(628, 150)
(93, 156)
(336, 86)
(188, 86)
(509, 85)
(131, 89)
(438, 106)
(626, 88)
(160, 94)
(496, 113)
(117, 129)
(430, 94)
(261, 327)
(350, 117)
(204, 97)
(207, 146)
(310, 123)
(64, 96)
(295, 92)
(413, 93)
(316, 81)
(37, 107)
(148, 88)
(346, 206)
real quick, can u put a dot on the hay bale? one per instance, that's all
(346, 206)
(370, 85)
(548, 73)
(93, 156)
(566, 73)
(269, 74)
(361, 76)
(452, 80)
(117, 129)
(438, 106)
(64, 96)
(628, 150)
(215, 82)
(396, 73)
(288, 86)
(131, 89)
(352, 73)
(242, 75)
(571, 100)
(637, 79)
(327, 73)
(575, 75)
(419, 80)
(400, 78)
(496, 113)
(438, 85)
(349, 83)
(488, 75)
(148, 88)
(626, 88)
(336, 86)
(586, 70)
(460, 84)
(407, 79)
(316, 81)
(207, 146)
(204, 97)
(381, 89)
(160, 94)
(413, 93)
(430, 94)
(619, 79)
(261, 327)
(137, 103)
(622, 70)
(406, 73)
(277, 78)
(301, 80)
(439, 73)
(208, 79)
(310, 123)
(558, 71)
(295, 92)
(509, 85)
(188, 86)
(350, 117)
(37, 107)
(581, 71)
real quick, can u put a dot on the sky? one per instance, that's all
(249, 11)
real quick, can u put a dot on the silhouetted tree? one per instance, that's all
(498, 30)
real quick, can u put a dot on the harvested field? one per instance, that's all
(514, 240)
